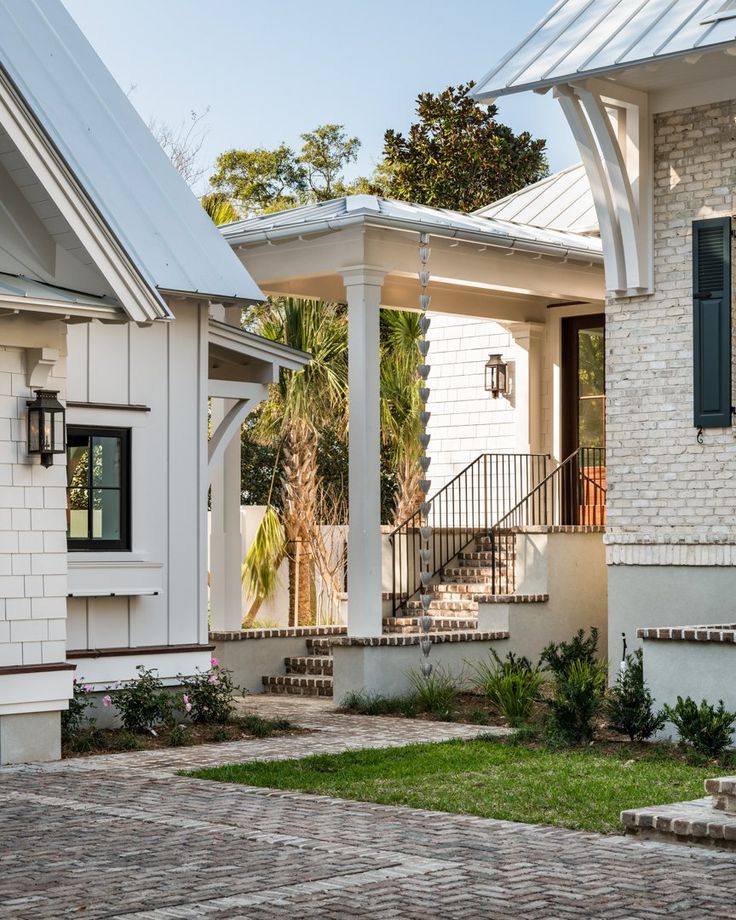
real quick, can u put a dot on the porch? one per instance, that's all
(521, 284)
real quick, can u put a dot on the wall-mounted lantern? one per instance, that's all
(497, 376)
(46, 426)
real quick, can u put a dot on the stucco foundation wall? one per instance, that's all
(385, 669)
(656, 595)
(571, 569)
(701, 670)
(665, 489)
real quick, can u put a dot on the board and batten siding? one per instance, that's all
(164, 368)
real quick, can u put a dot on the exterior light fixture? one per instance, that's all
(497, 376)
(46, 426)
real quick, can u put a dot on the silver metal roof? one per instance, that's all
(587, 37)
(562, 201)
(401, 215)
(29, 294)
(256, 346)
(113, 156)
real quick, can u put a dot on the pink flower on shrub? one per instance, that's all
(214, 662)
(107, 700)
(88, 688)
(187, 704)
(213, 679)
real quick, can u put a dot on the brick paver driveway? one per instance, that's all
(124, 837)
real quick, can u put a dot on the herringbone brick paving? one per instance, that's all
(126, 838)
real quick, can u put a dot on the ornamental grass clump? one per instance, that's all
(142, 703)
(436, 693)
(511, 685)
(629, 705)
(705, 728)
(207, 697)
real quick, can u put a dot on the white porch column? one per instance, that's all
(226, 605)
(527, 391)
(363, 286)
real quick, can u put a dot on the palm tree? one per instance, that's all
(220, 208)
(301, 404)
(400, 406)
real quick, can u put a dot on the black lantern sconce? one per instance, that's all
(497, 376)
(46, 426)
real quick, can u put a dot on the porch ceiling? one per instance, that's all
(467, 277)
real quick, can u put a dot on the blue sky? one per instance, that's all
(271, 69)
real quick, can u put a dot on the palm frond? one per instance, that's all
(264, 556)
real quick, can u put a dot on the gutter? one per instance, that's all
(500, 241)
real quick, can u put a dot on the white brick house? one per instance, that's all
(113, 283)
(648, 90)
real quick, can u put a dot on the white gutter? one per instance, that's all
(502, 241)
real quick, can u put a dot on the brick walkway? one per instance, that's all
(123, 837)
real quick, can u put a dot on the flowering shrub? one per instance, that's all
(142, 703)
(207, 697)
(75, 717)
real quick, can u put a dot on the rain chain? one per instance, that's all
(425, 530)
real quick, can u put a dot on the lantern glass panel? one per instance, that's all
(34, 428)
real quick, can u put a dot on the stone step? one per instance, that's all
(297, 685)
(309, 664)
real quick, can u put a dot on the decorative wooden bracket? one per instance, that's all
(231, 425)
(618, 167)
(39, 364)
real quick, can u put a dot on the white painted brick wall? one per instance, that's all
(33, 584)
(670, 497)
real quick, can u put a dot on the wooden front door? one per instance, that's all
(584, 415)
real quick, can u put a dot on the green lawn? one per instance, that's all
(491, 778)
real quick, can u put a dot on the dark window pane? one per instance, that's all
(105, 461)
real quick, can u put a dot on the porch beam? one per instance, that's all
(363, 286)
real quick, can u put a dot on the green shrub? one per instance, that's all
(705, 728)
(435, 694)
(576, 701)
(558, 658)
(143, 703)
(511, 685)
(75, 717)
(178, 736)
(207, 698)
(363, 703)
(629, 706)
(262, 728)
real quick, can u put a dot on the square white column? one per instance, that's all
(363, 286)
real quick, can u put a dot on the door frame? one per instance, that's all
(570, 389)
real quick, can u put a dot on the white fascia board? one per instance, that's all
(35, 691)
(61, 309)
(570, 252)
(102, 672)
(255, 346)
(140, 300)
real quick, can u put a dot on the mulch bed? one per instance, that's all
(93, 741)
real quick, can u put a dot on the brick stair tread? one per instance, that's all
(309, 664)
(296, 680)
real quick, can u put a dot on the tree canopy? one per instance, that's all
(457, 155)
(260, 181)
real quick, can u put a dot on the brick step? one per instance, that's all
(319, 647)
(502, 545)
(297, 685)
(309, 664)
(472, 572)
(456, 590)
(484, 556)
(439, 624)
(463, 607)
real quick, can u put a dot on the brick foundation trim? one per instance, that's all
(725, 634)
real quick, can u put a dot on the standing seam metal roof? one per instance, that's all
(583, 37)
(121, 167)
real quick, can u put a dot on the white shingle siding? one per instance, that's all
(32, 531)
(672, 501)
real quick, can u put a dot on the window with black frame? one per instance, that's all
(98, 489)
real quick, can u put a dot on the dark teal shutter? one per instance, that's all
(712, 322)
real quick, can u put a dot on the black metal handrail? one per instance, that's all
(574, 493)
(467, 506)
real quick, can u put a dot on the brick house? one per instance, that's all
(648, 91)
